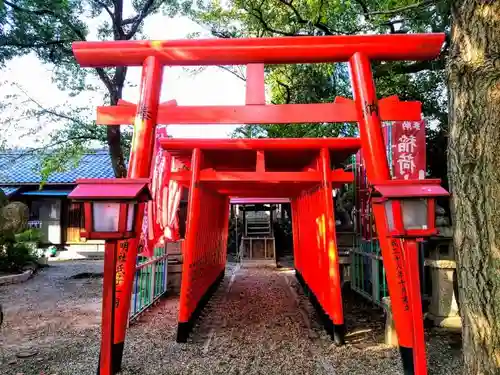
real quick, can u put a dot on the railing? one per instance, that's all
(150, 282)
(367, 272)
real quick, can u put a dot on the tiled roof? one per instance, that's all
(17, 168)
(9, 190)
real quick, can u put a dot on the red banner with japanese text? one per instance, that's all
(160, 214)
(408, 150)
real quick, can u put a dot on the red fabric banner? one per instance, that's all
(160, 214)
(408, 150)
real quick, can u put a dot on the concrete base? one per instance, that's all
(391, 337)
(453, 323)
(248, 263)
(443, 308)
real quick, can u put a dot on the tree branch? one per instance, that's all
(137, 20)
(107, 82)
(48, 111)
(115, 18)
(257, 13)
(46, 147)
(287, 90)
(106, 8)
(319, 25)
(364, 7)
(390, 24)
(318, 19)
(386, 69)
(118, 20)
(5, 43)
(236, 74)
(45, 12)
(401, 9)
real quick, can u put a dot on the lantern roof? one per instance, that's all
(411, 189)
(111, 188)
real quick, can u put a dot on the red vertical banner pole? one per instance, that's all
(412, 270)
(377, 170)
(334, 297)
(141, 156)
(108, 310)
(193, 219)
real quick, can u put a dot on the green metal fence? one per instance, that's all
(367, 270)
(150, 282)
(368, 273)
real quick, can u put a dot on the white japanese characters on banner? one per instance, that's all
(160, 214)
(408, 150)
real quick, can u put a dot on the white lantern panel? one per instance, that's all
(415, 214)
(130, 217)
(389, 215)
(105, 216)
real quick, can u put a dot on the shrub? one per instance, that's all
(29, 236)
(14, 255)
(17, 251)
(13, 258)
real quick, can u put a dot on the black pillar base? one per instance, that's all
(116, 358)
(336, 331)
(185, 328)
(407, 359)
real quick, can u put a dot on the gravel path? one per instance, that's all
(258, 322)
(49, 318)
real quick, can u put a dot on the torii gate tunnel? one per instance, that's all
(300, 169)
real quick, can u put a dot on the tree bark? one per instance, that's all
(115, 88)
(474, 173)
(113, 132)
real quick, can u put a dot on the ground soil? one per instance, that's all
(258, 322)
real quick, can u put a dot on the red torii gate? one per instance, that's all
(365, 109)
(269, 168)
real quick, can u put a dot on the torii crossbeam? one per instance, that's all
(365, 109)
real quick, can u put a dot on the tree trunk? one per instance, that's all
(474, 173)
(113, 132)
(115, 88)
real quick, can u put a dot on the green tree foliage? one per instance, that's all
(315, 83)
(48, 27)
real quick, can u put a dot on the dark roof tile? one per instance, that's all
(17, 168)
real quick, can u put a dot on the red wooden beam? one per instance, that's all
(265, 144)
(241, 177)
(261, 161)
(242, 114)
(343, 110)
(339, 176)
(254, 200)
(264, 178)
(288, 50)
(256, 93)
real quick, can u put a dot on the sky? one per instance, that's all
(211, 86)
